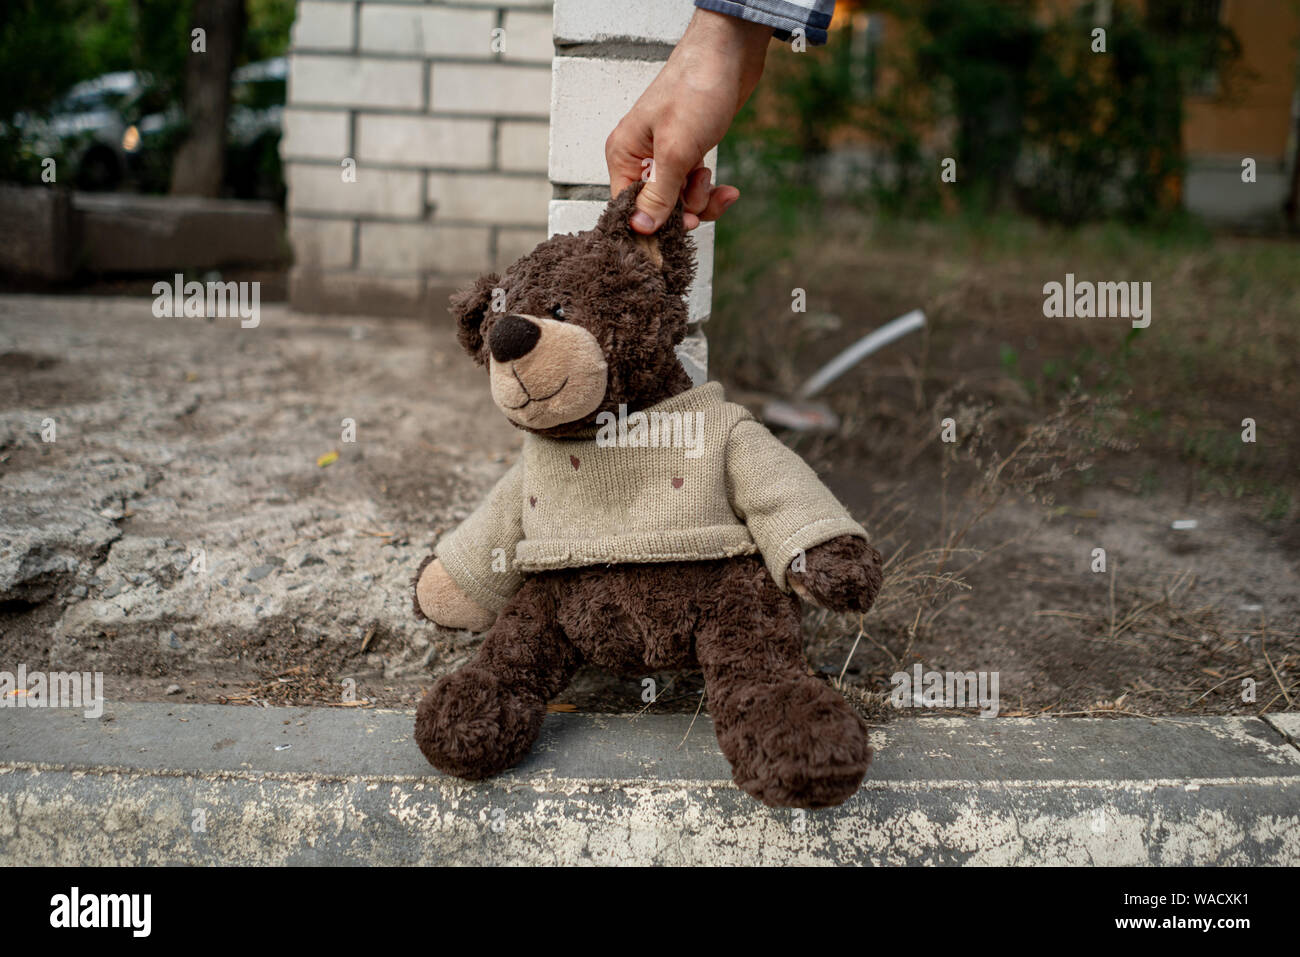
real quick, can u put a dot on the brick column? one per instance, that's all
(442, 108)
(606, 53)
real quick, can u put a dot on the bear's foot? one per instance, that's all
(473, 726)
(792, 741)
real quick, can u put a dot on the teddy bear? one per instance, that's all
(647, 524)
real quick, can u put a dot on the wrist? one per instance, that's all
(720, 43)
(728, 29)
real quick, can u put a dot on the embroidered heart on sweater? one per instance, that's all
(532, 500)
(574, 460)
(677, 483)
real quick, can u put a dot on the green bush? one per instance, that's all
(1103, 132)
(47, 46)
(1033, 117)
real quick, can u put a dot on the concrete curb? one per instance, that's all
(206, 784)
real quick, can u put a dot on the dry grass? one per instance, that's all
(1047, 413)
(924, 580)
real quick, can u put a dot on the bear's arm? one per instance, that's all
(479, 554)
(780, 499)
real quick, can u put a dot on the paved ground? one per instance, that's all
(206, 784)
(165, 521)
(175, 437)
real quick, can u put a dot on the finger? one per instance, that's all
(622, 174)
(719, 200)
(690, 221)
(627, 154)
(660, 194)
(617, 183)
(698, 187)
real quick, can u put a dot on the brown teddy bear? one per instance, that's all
(647, 525)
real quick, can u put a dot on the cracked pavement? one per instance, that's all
(163, 518)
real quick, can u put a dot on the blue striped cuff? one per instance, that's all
(783, 16)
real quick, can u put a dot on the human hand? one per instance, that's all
(682, 115)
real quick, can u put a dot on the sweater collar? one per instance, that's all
(702, 397)
(692, 400)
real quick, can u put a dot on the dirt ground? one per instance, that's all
(183, 535)
(1072, 436)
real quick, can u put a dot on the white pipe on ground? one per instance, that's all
(855, 353)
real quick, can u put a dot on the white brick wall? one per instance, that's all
(652, 21)
(528, 36)
(321, 243)
(523, 146)
(427, 31)
(454, 139)
(406, 248)
(323, 26)
(443, 107)
(424, 141)
(572, 215)
(314, 134)
(517, 200)
(390, 194)
(495, 89)
(514, 244)
(354, 81)
(701, 295)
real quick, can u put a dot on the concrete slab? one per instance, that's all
(38, 232)
(131, 233)
(202, 784)
(180, 509)
(1288, 725)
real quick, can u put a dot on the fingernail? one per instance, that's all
(726, 204)
(643, 221)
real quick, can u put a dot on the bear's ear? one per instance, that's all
(671, 248)
(470, 307)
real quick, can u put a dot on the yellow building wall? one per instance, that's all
(1257, 122)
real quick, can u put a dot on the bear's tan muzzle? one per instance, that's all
(545, 372)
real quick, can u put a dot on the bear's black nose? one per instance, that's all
(512, 337)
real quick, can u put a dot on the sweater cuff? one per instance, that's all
(489, 589)
(809, 536)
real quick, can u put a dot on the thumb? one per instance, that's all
(659, 195)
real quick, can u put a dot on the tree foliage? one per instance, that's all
(47, 46)
(1016, 92)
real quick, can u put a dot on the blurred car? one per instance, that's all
(121, 127)
(87, 129)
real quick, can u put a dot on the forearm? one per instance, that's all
(722, 55)
(682, 115)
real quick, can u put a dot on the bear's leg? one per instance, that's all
(792, 740)
(484, 717)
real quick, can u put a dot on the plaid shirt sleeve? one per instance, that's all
(783, 16)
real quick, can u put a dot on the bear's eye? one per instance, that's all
(558, 312)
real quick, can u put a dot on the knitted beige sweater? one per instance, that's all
(692, 478)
